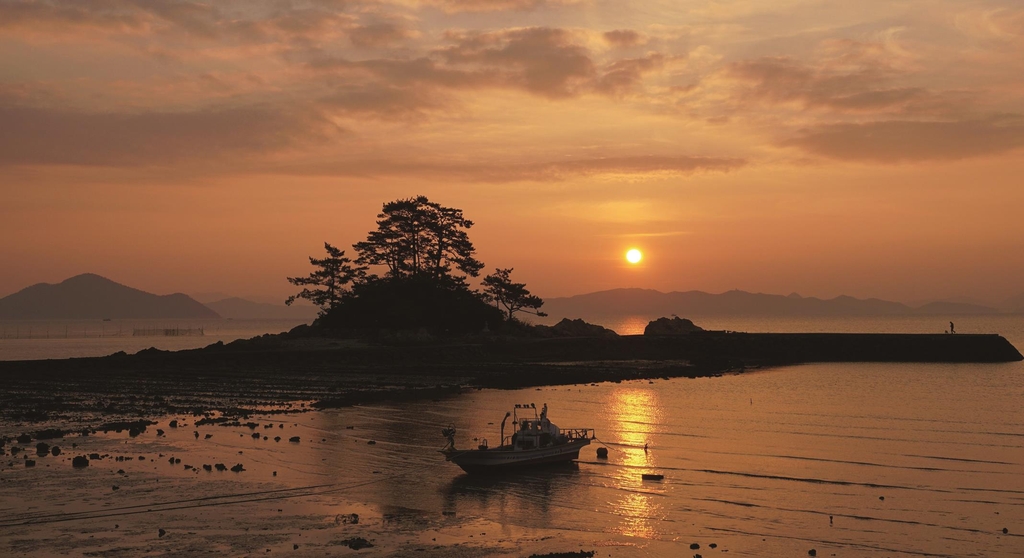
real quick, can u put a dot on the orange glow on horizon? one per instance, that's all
(180, 154)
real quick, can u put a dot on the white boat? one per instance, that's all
(536, 441)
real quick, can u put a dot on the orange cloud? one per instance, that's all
(37, 136)
(897, 141)
(624, 38)
(543, 60)
(783, 80)
(453, 6)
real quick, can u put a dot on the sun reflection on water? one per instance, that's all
(635, 414)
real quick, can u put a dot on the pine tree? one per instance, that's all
(333, 275)
(419, 238)
(514, 297)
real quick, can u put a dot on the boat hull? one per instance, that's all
(497, 460)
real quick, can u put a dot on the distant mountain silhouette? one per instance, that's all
(89, 296)
(698, 303)
(1014, 305)
(242, 309)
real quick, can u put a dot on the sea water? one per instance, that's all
(851, 459)
(54, 339)
(856, 459)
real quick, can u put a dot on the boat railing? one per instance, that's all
(569, 433)
(579, 433)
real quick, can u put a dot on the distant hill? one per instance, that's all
(242, 309)
(89, 296)
(1014, 305)
(736, 303)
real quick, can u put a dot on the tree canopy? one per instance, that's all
(416, 237)
(333, 274)
(514, 297)
(427, 255)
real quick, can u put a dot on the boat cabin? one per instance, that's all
(537, 431)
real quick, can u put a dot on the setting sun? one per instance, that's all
(634, 256)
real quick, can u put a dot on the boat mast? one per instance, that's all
(507, 414)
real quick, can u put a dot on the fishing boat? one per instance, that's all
(536, 441)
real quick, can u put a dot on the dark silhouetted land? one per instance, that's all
(89, 296)
(320, 371)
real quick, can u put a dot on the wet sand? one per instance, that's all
(855, 460)
(220, 407)
(165, 494)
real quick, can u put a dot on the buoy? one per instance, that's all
(602, 453)
(652, 476)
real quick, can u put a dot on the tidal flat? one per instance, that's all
(865, 459)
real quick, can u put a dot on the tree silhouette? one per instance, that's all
(419, 238)
(499, 287)
(334, 273)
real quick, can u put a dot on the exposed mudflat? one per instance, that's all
(224, 488)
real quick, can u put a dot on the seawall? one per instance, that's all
(783, 348)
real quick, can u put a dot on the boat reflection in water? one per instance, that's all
(536, 441)
(524, 497)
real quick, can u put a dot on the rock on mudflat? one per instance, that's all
(581, 554)
(294, 439)
(356, 543)
(55, 451)
(812, 552)
(80, 461)
(42, 449)
(238, 468)
(207, 467)
(24, 439)
(221, 467)
(30, 462)
(161, 533)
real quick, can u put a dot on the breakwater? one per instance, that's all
(275, 370)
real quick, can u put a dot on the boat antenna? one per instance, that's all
(507, 414)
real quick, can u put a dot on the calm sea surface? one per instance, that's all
(847, 459)
(871, 460)
(917, 459)
(44, 339)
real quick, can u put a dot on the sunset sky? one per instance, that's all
(871, 148)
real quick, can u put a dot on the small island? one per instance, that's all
(419, 330)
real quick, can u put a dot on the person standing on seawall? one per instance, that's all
(951, 329)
